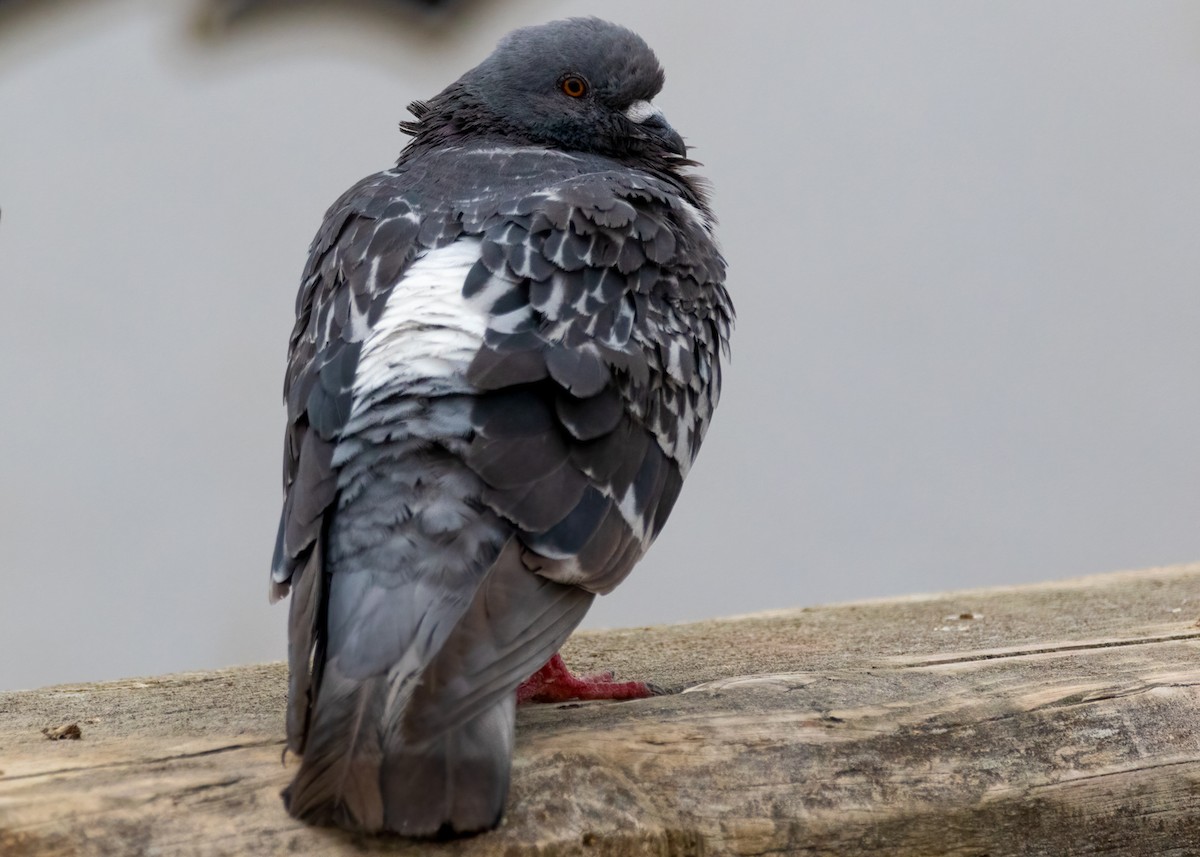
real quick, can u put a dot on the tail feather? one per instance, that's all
(338, 781)
(353, 777)
(454, 784)
(431, 754)
(304, 658)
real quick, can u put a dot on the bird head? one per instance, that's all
(581, 84)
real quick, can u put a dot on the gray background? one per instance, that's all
(963, 242)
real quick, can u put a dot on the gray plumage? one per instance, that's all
(506, 353)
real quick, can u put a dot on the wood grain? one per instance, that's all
(1057, 719)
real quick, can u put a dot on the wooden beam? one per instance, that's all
(1057, 719)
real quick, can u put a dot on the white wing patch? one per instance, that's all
(428, 332)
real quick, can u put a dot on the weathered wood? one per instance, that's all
(1058, 719)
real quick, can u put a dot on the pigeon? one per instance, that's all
(507, 350)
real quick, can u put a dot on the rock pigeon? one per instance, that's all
(507, 351)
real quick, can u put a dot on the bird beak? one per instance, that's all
(654, 126)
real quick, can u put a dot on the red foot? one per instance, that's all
(555, 683)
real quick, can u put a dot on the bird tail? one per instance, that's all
(428, 751)
(359, 772)
(460, 777)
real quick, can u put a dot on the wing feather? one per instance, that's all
(609, 320)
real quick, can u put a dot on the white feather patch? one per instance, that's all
(640, 111)
(428, 330)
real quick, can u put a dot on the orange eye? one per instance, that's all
(576, 87)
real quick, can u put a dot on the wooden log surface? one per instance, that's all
(1056, 719)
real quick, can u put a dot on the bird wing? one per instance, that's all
(369, 236)
(600, 367)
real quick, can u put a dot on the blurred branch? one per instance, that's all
(214, 17)
(221, 15)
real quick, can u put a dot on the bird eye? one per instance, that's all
(574, 86)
